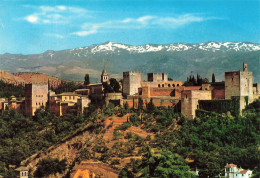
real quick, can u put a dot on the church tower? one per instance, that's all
(104, 76)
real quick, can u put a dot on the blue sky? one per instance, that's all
(34, 26)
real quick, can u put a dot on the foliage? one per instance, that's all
(86, 79)
(7, 90)
(213, 80)
(49, 166)
(20, 137)
(66, 87)
(109, 109)
(253, 107)
(140, 104)
(135, 120)
(126, 106)
(150, 106)
(112, 86)
(221, 106)
(191, 81)
(220, 139)
(165, 165)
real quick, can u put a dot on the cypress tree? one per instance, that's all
(213, 78)
(86, 82)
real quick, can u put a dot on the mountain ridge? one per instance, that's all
(177, 59)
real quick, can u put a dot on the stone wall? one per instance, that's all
(114, 97)
(218, 94)
(189, 101)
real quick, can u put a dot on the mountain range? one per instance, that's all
(179, 60)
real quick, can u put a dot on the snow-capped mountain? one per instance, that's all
(208, 46)
(177, 59)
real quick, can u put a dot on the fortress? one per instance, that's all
(238, 85)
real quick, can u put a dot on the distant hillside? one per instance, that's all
(177, 59)
(10, 78)
(29, 77)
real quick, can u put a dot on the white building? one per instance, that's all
(232, 171)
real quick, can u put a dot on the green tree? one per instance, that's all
(86, 79)
(140, 104)
(114, 85)
(49, 166)
(165, 165)
(213, 78)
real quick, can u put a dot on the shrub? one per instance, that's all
(49, 166)
(129, 135)
(135, 120)
(117, 135)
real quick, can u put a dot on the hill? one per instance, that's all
(111, 143)
(177, 59)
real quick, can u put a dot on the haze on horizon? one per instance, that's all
(31, 27)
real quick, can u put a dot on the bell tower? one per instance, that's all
(104, 76)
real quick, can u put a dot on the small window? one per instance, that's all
(178, 85)
(173, 85)
(169, 85)
(73, 97)
(159, 85)
(36, 103)
(22, 173)
(162, 85)
(65, 97)
(232, 79)
(69, 97)
(186, 96)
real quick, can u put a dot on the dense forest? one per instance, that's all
(7, 90)
(179, 144)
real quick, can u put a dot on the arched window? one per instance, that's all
(159, 85)
(173, 85)
(169, 85)
(178, 85)
(162, 85)
(36, 103)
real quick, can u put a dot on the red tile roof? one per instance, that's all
(231, 165)
(243, 171)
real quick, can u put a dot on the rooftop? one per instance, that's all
(231, 165)
(68, 94)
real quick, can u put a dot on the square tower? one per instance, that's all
(36, 96)
(240, 84)
(131, 82)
